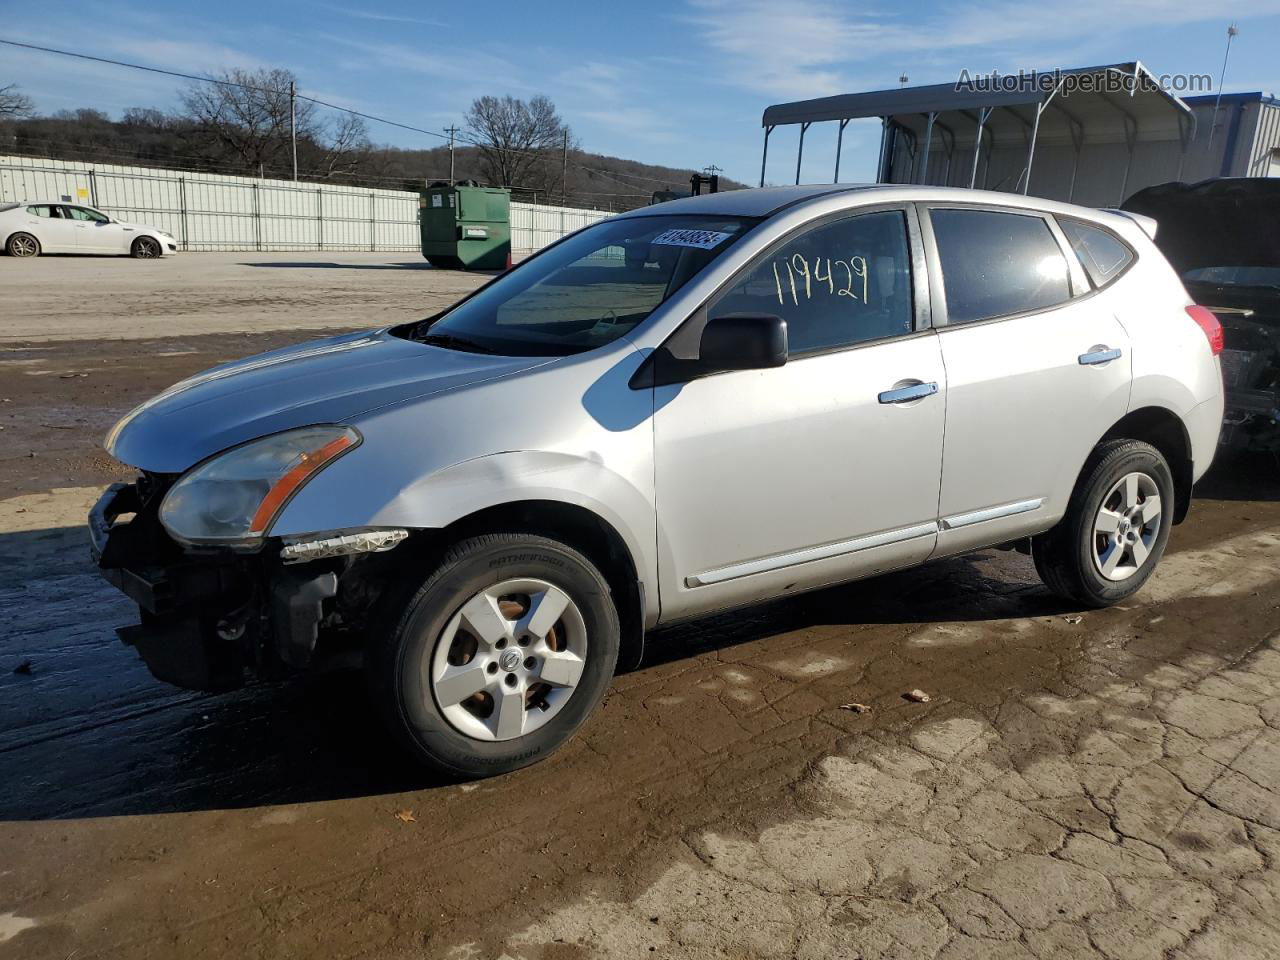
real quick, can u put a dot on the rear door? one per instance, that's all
(1038, 368)
(827, 467)
(47, 223)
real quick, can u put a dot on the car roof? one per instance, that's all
(767, 201)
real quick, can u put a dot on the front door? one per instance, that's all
(823, 469)
(1036, 373)
(95, 231)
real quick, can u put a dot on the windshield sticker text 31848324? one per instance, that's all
(701, 239)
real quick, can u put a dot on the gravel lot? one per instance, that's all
(1093, 785)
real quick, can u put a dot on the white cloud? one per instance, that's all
(359, 13)
(795, 49)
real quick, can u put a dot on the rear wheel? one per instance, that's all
(499, 656)
(1115, 529)
(23, 245)
(145, 248)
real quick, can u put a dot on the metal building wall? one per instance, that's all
(215, 212)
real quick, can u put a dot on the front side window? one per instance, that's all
(836, 285)
(1102, 255)
(589, 289)
(80, 213)
(995, 264)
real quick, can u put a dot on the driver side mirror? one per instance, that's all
(743, 342)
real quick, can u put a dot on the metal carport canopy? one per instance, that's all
(1045, 113)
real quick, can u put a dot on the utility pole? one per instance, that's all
(1232, 32)
(564, 168)
(293, 125)
(451, 131)
(711, 170)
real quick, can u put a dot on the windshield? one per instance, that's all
(1235, 276)
(588, 290)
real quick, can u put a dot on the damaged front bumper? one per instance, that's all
(209, 617)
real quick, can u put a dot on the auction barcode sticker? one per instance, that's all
(702, 239)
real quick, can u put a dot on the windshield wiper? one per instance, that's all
(453, 342)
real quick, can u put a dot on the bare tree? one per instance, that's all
(343, 150)
(516, 139)
(246, 114)
(14, 104)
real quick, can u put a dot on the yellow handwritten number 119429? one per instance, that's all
(855, 268)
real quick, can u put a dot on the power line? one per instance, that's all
(315, 100)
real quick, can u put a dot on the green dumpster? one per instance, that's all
(466, 228)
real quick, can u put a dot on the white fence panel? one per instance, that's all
(207, 211)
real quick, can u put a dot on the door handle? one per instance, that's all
(1100, 354)
(905, 394)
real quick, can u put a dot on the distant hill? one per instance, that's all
(153, 139)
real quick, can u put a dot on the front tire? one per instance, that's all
(23, 245)
(499, 656)
(1115, 529)
(145, 248)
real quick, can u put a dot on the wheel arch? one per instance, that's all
(4, 243)
(583, 530)
(1164, 430)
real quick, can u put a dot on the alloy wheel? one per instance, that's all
(1126, 527)
(509, 659)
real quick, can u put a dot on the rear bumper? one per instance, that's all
(1251, 420)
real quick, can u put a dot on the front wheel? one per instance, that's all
(499, 656)
(145, 248)
(1115, 529)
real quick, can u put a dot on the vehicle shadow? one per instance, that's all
(1242, 476)
(329, 265)
(88, 732)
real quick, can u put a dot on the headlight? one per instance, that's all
(233, 498)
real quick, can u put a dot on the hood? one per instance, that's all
(324, 381)
(1228, 222)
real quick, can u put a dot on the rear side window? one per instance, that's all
(995, 264)
(836, 285)
(1102, 255)
(44, 210)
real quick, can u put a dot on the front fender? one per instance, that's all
(335, 500)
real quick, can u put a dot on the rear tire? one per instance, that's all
(470, 677)
(1116, 526)
(23, 245)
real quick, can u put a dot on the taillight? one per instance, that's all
(1207, 322)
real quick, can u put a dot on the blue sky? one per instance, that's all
(681, 82)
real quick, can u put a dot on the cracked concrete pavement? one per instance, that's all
(1107, 787)
(1131, 811)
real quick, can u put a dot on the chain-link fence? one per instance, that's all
(215, 212)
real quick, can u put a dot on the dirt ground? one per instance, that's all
(1080, 784)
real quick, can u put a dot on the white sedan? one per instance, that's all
(30, 229)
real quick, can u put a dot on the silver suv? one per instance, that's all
(683, 409)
